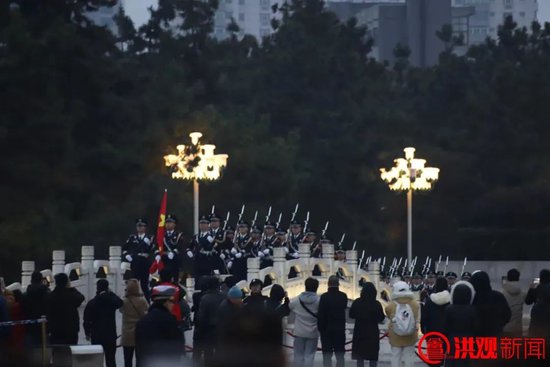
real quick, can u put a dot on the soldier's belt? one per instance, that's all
(142, 254)
(208, 253)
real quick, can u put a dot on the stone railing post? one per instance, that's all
(87, 271)
(328, 256)
(58, 262)
(190, 285)
(373, 270)
(279, 264)
(304, 249)
(351, 261)
(115, 270)
(253, 266)
(27, 268)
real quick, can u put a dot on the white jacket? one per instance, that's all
(305, 324)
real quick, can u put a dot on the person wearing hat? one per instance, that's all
(136, 251)
(451, 279)
(269, 236)
(173, 246)
(225, 247)
(203, 246)
(281, 238)
(242, 239)
(314, 243)
(402, 346)
(100, 320)
(296, 237)
(231, 306)
(158, 338)
(429, 285)
(216, 230)
(416, 283)
(252, 248)
(256, 300)
(465, 276)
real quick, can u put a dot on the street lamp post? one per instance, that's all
(409, 174)
(196, 162)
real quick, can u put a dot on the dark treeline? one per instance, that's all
(307, 116)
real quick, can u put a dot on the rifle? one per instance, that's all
(237, 225)
(437, 265)
(213, 209)
(446, 264)
(306, 222)
(383, 263)
(268, 215)
(279, 220)
(226, 220)
(353, 247)
(413, 265)
(361, 260)
(255, 219)
(295, 212)
(464, 266)
(340, 243)
(324, 231)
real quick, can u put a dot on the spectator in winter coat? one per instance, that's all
(158, 338)
(535, 289)
(100, 322)
(62, 311)
(539, 327)
(461, 319)
(208, 317)
(368, 313)
(332, 322)
(4, 331)
(34, 307)
(278, 302)
(306, 334)
(402, 346)
(492, 308)
(433, 312)
(256, 300)
(230, 307)
(197, 337)
(16, 339)
(134, 307)
(515, 297)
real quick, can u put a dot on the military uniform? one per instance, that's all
(294, 240)
(136, 251)
(172, 248)
(203, 245)
(314, 243)
(416, 283)
(268, 242)
(217, 232)
(242, 239)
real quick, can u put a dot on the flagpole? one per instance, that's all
(196, 206)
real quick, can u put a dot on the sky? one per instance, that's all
(137, 10)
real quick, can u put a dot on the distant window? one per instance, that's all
(228, 14)
(508, 4)
(265, 18)
(241, 2)
(264, 4)
(241, 17)
(522, 14)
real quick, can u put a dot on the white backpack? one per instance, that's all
(403, 322)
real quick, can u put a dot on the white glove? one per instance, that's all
(261, 254)
(266, 252)
(286, 250)
(233, 251)
(129, 258)
(295, 255)
(229, 264)
(170, 255)
(222, 256)
(190, 254)
(238, 255)
(147, 240)
(210, 239)
(157, 258)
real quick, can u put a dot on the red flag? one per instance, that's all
(158, 265)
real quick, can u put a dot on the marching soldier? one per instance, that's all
(242, 239)
(451, 279)
(416, 283)
(429, 285)
(203, 245)
(280, 240)
(269, 234)
(136, 251)
(466, 276)
(172, 247)
(314, 243)
(296, 237)
(252, 249)
(217, 232)
(225, 248)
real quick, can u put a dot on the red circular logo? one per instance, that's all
(437, 345)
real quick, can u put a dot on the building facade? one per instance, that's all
(489, 14)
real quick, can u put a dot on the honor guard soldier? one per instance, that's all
(269, 234)
(451, 279)
(225, 248)
(242, 239)
(429, 285)
(296, 237)
(280, 240)
(314, 243)
(216, 228)
(416, 283)
(136, 251)
(203, 244)
(254, 245)
(172, 247)
(466, 276)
